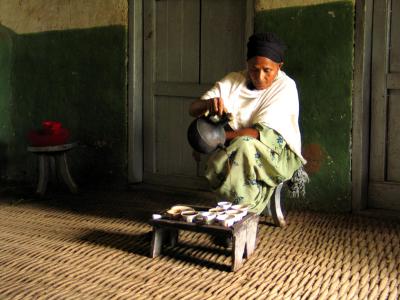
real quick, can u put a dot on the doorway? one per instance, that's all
(384, 175)
(188, 45)
(376, 129)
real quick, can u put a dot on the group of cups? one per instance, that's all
(225, 214)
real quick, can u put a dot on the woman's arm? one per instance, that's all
(198, 107)
(231, 134)
(213, 106)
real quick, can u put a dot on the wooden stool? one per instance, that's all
(57, 155)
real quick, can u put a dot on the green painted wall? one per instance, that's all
(77, 77)
(6, 131)
(320, 59)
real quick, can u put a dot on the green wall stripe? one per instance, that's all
(320, 59)
(77, 77)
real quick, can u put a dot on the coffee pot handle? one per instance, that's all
(221, 120)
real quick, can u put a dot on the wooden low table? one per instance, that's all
(243, 234)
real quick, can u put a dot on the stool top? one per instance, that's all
(56, 148)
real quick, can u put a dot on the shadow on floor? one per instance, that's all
(133, 243)
(135, 204)
(179, 254)
(139, 244)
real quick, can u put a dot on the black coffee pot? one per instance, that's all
(206, 134)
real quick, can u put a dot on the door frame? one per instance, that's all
(361, 104)
(135, 91)
(362, 100)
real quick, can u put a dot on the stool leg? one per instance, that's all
(276, 207)
(52, 168)
(43, 174)
(62, 167)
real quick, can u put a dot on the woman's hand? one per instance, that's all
(214, 106)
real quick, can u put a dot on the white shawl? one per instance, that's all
(276, 106)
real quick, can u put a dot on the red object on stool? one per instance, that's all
(51, 134)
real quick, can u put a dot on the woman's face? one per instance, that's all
(262, 71)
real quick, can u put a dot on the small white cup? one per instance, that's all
(156, 216)
(217, 210)
(241, 207)
(236, 213)
(226, 220)
(205, 217)
(225, 204)
(189, 215)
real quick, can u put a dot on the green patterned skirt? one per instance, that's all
(250, 169)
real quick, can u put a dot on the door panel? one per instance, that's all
(222, 52)
(188, 45)
(393, 145)
(394, 53)
(384, 183)
(173, 152)
(177, 41)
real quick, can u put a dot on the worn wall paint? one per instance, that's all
(6, 132)
(77, 76)
(261, 5)
(27, 16)
(320, 59)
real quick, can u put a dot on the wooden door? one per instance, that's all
(188, 45)
(384, 183)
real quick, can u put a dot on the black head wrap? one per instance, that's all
(267, 45)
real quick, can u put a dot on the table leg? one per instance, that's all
(172, 236)
(156, 242)
(251, 237)
(43, 174)
(62, 167)
(238, 246)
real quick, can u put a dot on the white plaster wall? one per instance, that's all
(26, 16)
(274, 4)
